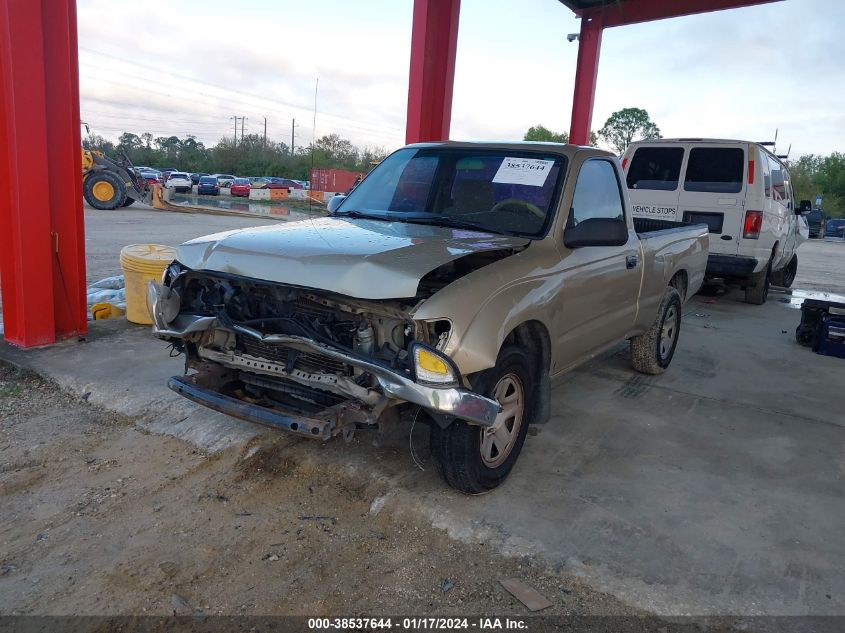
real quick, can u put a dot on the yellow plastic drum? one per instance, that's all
(140, 264)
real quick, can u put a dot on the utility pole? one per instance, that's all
(292, 128)
(243, 120)
(236, 127)
(265, 132)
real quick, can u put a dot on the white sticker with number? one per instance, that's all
(523, 171)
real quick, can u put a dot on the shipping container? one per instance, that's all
(339, 180)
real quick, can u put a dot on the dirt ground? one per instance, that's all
(100, 518)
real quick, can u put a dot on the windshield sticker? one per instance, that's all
(523, 171)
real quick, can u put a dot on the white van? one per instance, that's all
(739, 189)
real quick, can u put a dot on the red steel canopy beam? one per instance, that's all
(42, 249)
(434, 43)
(589, 47)
(620, 13)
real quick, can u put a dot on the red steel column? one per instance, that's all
(589, 47)
(42, 249)
(434, 43)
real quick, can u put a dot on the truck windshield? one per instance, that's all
(499, 191)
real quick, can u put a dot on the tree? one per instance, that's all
(627, 125)
(542, 133)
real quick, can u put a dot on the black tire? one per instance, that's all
(757, 290)
(457, 449)
(652, 352)
(786, 275)
(128, 202)
(93, 186)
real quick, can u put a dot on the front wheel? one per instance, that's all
(476, 459)
(103, 190)
(652, 352)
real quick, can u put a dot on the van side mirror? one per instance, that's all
(805, 207)
(334, 203)
(596, 232)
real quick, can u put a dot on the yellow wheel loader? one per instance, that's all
(107, 184)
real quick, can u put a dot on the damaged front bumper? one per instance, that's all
(453, 402)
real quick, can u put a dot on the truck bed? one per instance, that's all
(644, 226)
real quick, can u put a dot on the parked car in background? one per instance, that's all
(240, 188)
(737, 188)
(195, 177)
(166, 171)
(815, 222)
(834, 227)
(500, 267)
(257, 182)
(179, 181)
(151, 177)
(224, 180)
(208, 186)
(282, 183)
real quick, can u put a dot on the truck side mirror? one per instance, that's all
(334, 203)
(596, 232)
(805, 207)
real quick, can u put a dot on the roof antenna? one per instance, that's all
(313, 140)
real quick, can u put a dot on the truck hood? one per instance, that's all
(367, 259)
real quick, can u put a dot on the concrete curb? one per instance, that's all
(131, 382)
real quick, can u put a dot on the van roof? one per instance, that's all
(726, 141)
(694, 140)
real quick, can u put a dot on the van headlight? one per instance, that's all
(433, 368)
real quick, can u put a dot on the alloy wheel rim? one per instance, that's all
(498, 440)
(668, 332)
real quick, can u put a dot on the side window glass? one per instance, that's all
(597, 193)
(767, 176)
(778, 180)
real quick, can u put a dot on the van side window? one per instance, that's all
(767, 175)
(597, 193)
(715, 170)
(778, 180)
(656, 168)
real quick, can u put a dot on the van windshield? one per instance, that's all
(655, 168)
(715, 170)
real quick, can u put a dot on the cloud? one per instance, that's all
(189, 66)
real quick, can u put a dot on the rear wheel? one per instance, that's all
(757, 290)
(103, 190)
(475, 459)
(786, 275)
(652, 352)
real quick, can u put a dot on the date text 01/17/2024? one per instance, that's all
(418, 624)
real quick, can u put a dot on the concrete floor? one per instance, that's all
(716, 488)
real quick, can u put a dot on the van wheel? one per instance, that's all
(757, 290)
(652, 352)
(786, 275)
(476, 459)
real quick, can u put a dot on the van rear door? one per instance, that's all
(713, 192)
(652, 172)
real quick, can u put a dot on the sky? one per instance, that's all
(186, 68)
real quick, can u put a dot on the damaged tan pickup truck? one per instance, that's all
(450, 287)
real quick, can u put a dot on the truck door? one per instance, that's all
(713, 193)
(652, 174)
(601, 284)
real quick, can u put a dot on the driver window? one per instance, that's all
(597, 193)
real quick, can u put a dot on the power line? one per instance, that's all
(229, 90)
(193, 100)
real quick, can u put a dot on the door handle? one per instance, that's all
(631, 261)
